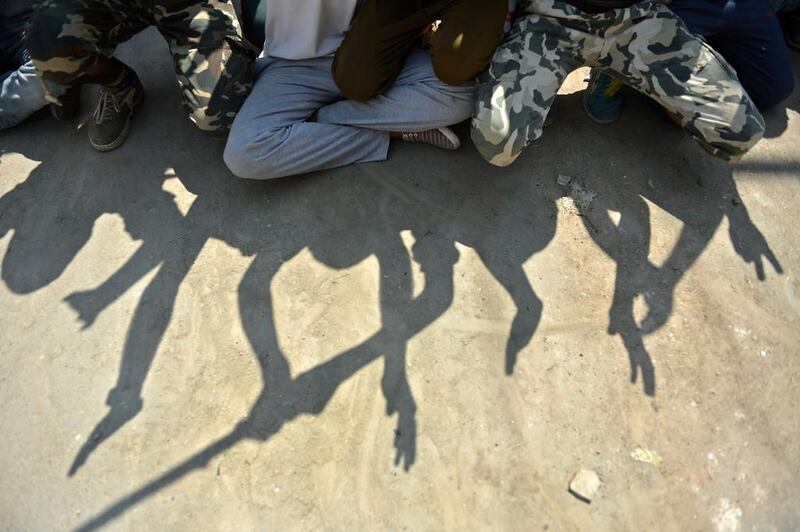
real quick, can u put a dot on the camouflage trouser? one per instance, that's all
(211, 62)
(645, 45)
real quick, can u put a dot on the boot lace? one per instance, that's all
(111, 103)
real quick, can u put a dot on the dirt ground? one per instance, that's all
(428, 343)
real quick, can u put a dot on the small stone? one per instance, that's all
(563, 180)
(647, 456)
(582, 195)
(584, 485)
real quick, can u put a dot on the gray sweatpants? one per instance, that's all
(271, 136)
(21, 95)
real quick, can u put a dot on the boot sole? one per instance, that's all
(123, 135)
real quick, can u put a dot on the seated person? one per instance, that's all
(642, 43)
(296, 120)
(385, 31)
(746, 33)
(73, 42)
(21, 94)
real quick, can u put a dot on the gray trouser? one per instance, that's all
(272, 137)
(21, 94)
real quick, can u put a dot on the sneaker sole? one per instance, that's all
(593, 118)
(123, 135)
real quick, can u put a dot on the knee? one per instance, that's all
(353, 82)
(752, 132)
(748, 138)
(496, 152)
(461, 51)
(43, 36)
(749, 129)
(246, 158)
(240, 160)
(60, 49)
(732, 143)
(453, 74)
(456, 64)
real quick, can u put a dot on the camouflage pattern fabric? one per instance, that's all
(646, 46)
(212, 62)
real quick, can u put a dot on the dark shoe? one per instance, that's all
(111, 121)
(602, 100)
(70, 105)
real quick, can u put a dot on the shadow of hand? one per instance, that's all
(659, 295)
(85, 304)
(124, 407)
(405, 441)
(751, 245)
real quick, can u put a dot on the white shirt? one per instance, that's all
(305, 29)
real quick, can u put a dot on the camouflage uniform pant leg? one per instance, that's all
(656, 54)
(65, 37)
(548, 40)
(646, 45)
(517, 90)
(212, 63)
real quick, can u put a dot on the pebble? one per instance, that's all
(647, 456)
(584, 485)
(563, 180)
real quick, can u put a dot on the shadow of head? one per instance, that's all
(47, 229)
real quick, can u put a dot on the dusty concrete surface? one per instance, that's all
(264, 326)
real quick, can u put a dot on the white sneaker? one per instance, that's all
(442, 138)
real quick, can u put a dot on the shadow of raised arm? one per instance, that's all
(747, 240)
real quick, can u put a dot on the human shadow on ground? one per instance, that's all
(342, 224)
(698, 191)
(507, 222)
(343, 217)
(42, 211)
